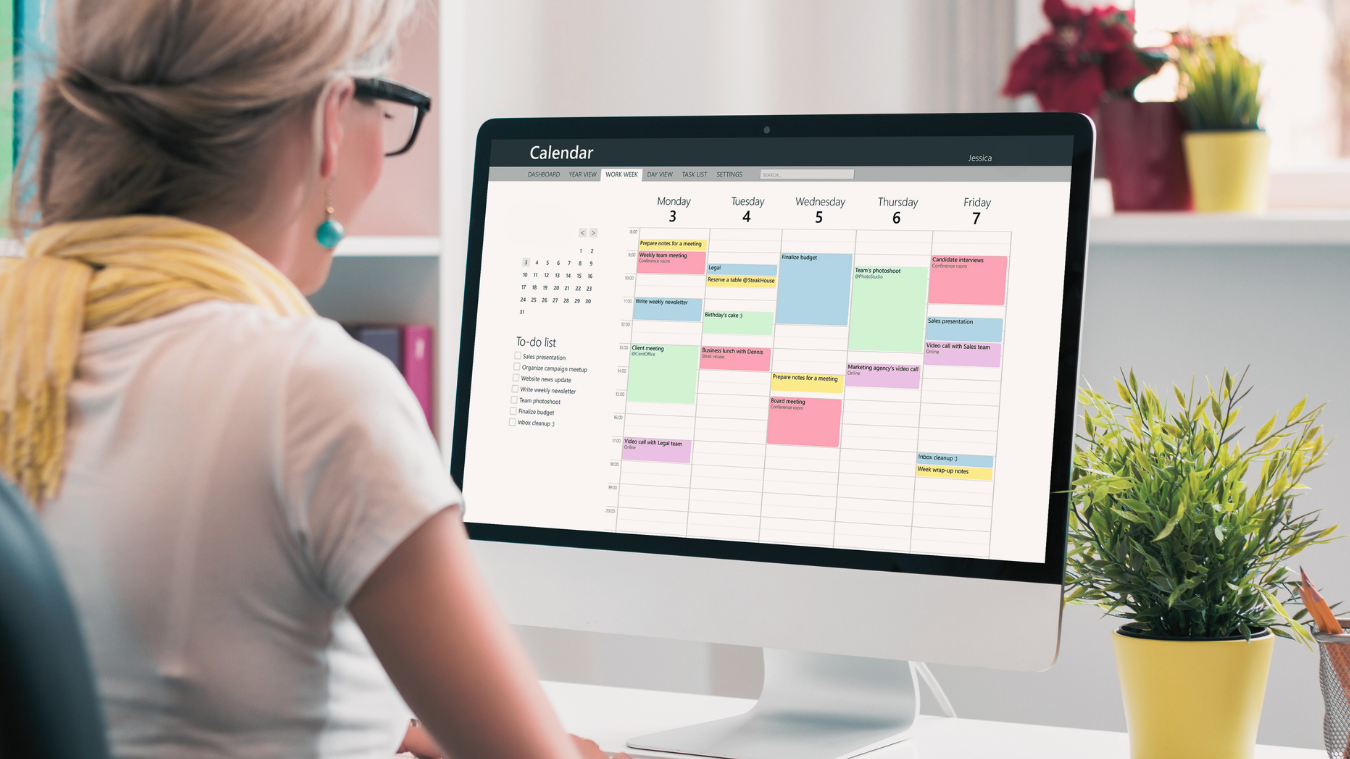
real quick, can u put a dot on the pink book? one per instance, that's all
(417, 365)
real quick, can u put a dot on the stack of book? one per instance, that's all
(409, 347)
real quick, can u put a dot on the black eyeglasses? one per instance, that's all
(404, 109)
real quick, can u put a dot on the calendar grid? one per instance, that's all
(691, 450)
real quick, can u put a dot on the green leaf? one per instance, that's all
(1295, 411)
(1266, 428)
(1172, 523)
(1222, 88)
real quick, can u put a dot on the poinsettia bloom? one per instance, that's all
(1075, 90)
(1123, 70)
(1086, 54)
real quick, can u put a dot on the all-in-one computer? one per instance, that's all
(802, 382)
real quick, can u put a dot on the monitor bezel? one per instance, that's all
(1077, 126)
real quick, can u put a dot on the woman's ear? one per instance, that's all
(336, 97)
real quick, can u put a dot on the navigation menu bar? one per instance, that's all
(794, 174)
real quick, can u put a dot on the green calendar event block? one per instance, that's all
(662, 373)
(888, 312)
(737, 323)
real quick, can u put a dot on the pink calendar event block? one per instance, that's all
(961, 354)
(805, 421)
(978, 280)
(734, 359)
(656, 449)
(672, 261)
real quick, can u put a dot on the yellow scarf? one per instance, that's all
(87, 275)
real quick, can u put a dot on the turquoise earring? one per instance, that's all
(330, 232)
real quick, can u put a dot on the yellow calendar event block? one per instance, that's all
(807, 383)
(673, 244)
(732, 280)
(954, 472)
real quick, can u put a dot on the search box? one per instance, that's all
(806, 173)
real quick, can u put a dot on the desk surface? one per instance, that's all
(610, 716)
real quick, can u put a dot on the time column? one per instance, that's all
(621, 337)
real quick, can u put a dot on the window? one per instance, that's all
(1306, 94)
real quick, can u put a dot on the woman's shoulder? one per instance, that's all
(208, 324)
(317, 355)
(245, 338)
(253, 330)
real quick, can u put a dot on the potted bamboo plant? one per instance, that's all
(1183, 529)
(1226, 150)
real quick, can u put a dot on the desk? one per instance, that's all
(610, 716)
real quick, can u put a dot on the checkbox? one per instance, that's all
(515, 388)
(515, 367)
(513, 410)
(517, 355)
(510, 422)
(515, 399)
(515, 377)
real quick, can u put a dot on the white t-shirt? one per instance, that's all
(232, 478)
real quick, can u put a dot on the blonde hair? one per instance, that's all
(161, 106)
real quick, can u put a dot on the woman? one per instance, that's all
(255, 523)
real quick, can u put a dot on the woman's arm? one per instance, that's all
(432, 622)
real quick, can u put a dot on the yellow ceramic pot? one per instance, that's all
(1228, 169)
(1192, 699)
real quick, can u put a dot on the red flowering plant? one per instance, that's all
(1085, 56)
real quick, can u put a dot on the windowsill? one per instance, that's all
(1276, 228)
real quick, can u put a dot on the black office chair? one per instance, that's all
(49, 708)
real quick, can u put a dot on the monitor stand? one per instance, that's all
(813, 706)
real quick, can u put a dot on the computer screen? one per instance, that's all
(745, 346)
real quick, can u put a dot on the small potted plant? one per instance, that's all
(1184, 531)
(1089, 63)
(1226, 150)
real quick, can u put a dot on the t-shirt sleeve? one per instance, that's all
(359, 468)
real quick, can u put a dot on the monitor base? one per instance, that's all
(813, 706)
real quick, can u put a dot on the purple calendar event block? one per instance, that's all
(961, 354)
(656, 449)
(882, 375)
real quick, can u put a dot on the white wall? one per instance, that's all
(615, 58)
(1169, 313)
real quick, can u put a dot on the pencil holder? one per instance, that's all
(1334, 676)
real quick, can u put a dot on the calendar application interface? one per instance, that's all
(830, 349)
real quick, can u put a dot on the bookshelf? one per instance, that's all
(381, 289)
